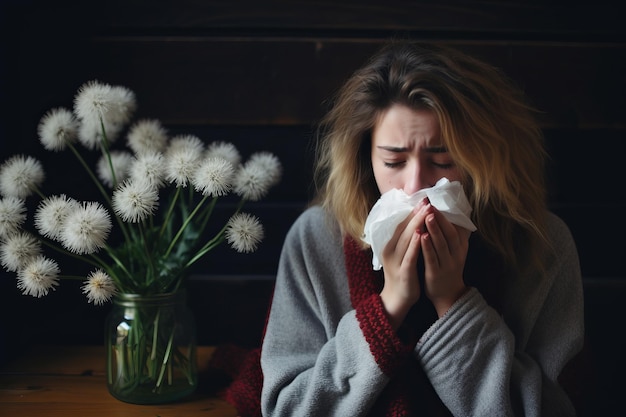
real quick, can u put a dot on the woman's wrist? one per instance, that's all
(443, 304)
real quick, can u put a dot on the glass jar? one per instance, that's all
(151, 348)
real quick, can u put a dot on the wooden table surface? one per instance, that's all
(70, 381)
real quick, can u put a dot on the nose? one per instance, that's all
(417, 177)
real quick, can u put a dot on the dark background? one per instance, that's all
(258, 74)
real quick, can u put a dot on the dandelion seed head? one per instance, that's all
(124, 104)
(186, 143)
(90, 134)
(224, 150)
(57, 129)
(92, 100)
(135, 201)
(244, 232)
(99, 287)
(51, 214)
(148, 166)
(181, 165)
(147, 136)
(20, 175)
(38, 277)
(214, 177)
(17, 250)
(268, 163)
(121, 161)
(86, 228)
(12, 215)
(96, 101)
(252, 182)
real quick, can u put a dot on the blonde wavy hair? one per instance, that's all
(486, 124)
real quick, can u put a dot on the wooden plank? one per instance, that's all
(67, 396)
(49, 380)
(506, 18)
(206, 81)
(72, 360)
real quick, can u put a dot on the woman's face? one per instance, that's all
(407, 152)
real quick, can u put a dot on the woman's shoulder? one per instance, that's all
(315, 221)
(558, 230)
(564, 252)
(315, 242)
(315, 231)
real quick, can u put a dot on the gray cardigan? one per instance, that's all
(317, 362)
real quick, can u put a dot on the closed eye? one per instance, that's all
(394, 164)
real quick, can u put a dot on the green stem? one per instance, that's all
(71, 254)
(184, 226)
(100, 187)
(155, 334)
(207, 213)
(168, 215)
(166, 359)
(120, 264)
(106, 152)
(148, 256)
(215, 241)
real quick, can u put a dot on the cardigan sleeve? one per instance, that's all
(481, 363)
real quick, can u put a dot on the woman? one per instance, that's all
(455, 323)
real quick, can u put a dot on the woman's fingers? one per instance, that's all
(399, 257)
(405, 231)
(445, 249)
(448, 240)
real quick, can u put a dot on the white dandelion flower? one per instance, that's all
(214, 177)
(19, 249)
(268, 163)
(51, 214)
(147, 136)
(187, 143)
(96, 101)
(252, 182)
(92, 100)
(121, 162)
(181, 165)
(224, 150)
(20, 175)
(148, 166)
(91, 136)
(57, 129)
(86, 228)
(12, 215)
(135, 201)
(99, 287)
(244, 232)
(38, 277)
(124, 104)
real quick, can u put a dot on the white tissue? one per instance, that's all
(395, 205)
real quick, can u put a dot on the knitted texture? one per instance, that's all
(245, 391)
(242, 368)
(389, 352)
(408, 392)
(365, 286)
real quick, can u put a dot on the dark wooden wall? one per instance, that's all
(258, 74)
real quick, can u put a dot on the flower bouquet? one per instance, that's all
(158, 193)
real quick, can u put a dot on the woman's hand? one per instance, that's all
(399, 258)
(444, 247)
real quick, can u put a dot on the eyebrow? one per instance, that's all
(432, 149)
